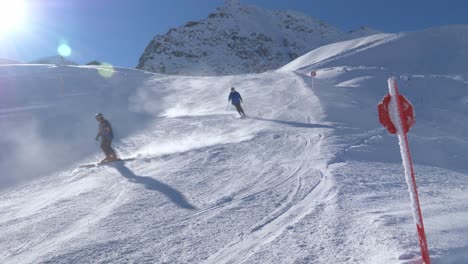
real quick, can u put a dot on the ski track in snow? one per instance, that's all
(299, 201)
(79, 226)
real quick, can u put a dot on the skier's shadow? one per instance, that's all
(151, 184)
(292, 123)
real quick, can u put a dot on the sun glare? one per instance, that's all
(12, 15)
(106, 70)
(64, 50)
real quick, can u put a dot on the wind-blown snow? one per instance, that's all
(309, 177)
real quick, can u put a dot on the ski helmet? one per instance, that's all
(99, 116)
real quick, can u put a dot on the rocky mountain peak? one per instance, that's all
(238, 39)
(232, 4)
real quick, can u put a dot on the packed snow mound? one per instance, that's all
(9, 61)
(439, 50)
(57, 60)
(239, 39)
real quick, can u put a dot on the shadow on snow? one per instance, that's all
(292, 123)
(151, 184)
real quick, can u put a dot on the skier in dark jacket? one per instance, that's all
(106, 135)
(236, 99)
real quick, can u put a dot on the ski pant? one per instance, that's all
(239, 109)
(107, 148)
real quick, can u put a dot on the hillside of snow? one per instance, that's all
(238, 39)
(309, 177)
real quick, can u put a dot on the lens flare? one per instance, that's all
(12, 15)
(106, 70)
(64, 50)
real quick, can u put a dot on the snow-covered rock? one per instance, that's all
(9, 61)
(362, 32)
(57, 60)
(238, 39)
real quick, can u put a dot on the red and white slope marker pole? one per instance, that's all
(313, 74)
(397, 115)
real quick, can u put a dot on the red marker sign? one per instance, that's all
(407, 115)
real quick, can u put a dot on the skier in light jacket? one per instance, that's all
(106, 134)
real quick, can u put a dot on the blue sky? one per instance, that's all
(117, 31)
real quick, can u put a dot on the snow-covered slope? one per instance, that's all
(434, 51)
(310, 177)
(431, 67)
(239, 39)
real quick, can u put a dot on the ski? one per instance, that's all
(101, 163)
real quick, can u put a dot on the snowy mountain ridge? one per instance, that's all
(239, 39)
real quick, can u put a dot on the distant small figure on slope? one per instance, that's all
(236, 99)
(106, 135)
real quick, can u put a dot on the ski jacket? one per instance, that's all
(235, 98)
(105, 130)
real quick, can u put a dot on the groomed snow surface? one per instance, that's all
(309, 177)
